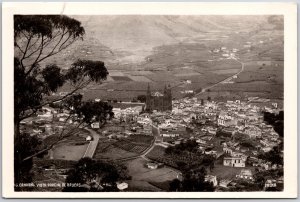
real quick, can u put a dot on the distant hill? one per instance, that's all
(144, 32)
(128, 40)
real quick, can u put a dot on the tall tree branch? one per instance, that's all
(84, 84)
(35, 62)
(70, 133)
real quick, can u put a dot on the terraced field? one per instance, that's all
(134, 145)
(131, 147)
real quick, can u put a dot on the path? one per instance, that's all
(143, 155)
(92, 145)
(227, 79)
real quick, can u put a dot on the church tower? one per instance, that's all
(169, 95)
(148, 99)
(167, 98)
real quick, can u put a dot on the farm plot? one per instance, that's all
(225, 172)
(141, 175)
(102, 146)
(146, 139)
(69, 151)
(113, 153)
(121, 78)
(134, 143)
(226, 71)
(162, 76)
(139, 78)
(129, 146)
(185, 72)
(139, 73)
(116, 73)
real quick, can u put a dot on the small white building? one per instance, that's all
(212, 179)
(245, 174)
(95, 125)
(122, 186)
(224, 183)
(234, 162)
(270, 183)
(152, 165)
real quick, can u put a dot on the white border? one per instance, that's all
(289, 10)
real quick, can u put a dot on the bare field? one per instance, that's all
(227, 172)
(114, 153)
(140, 79)
(69, 151)
(142, 175)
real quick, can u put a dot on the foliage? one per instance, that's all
(141, 98)
(27, 145)
(274, 156)
(92, 175)
(192, 181)
(221, 133)
(248, 143)
(37, 38)
(244, 185)
(190, 146)
(276, 120)
(260, 177)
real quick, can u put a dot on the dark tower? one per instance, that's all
(159, 102)
(169, 98)
(148, 99)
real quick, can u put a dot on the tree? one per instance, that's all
(36, 39)
(192, 182)
(175, 185)
(92, 175)
(141, 98)
(27, 145)
(276, 121)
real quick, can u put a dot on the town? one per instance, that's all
(234, 134)
(195, 105)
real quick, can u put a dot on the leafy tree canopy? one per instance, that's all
(92, 175)
(36, 39)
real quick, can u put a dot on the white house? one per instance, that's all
(270, 183)
(234, 162)
(95, 125)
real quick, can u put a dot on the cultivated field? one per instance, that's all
(113, 153)
(132, 146)
(186, 58)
